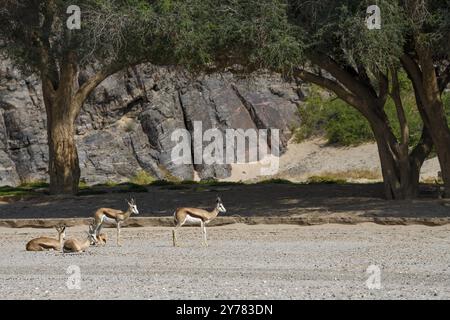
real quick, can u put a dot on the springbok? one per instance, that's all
(74, 245)
(109, 215)
(195, 216)
(46, 243)
(101, 238)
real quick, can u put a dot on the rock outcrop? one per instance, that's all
(127, 123)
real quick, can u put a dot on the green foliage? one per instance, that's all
(82, 185)
(7, 191)
(32, 185)
(428, 22)
(341, 124)
(33, 188)
(346, 126)
(324, 115)
(253, 34)
(446, 101)
(107, 183)
(338, 29)
(113, 33)
(412, 114)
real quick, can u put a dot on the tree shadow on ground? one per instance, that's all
(364, 200)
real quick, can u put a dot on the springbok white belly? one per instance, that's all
(108, 220)
(192, 220)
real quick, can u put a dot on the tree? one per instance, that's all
(327, 42)
(361, 67)
(426, 58)
(113, 35)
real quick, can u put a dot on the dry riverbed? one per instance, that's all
(242, 262)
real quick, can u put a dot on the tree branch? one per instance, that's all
(48, 64)
(383, 84)
(356, 87)
(422, 150)
(396, 97)
(333, 86)
(90, 84)
(415, 75)
(412, 68)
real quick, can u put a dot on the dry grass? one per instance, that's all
(142, 178)
(344, 176)
(431, 180)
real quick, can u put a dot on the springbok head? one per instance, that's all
(220, 206)
(132, 205)
(61, 231)
(91, 235)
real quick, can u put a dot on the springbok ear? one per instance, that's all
(218, 200)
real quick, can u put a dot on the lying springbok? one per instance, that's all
(74, 245)
(196, 216)
(46, 243)
(101, 238)
(109, 215)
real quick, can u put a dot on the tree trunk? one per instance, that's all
(395, 186)
(428, 97)
(439, 130)
(400, 169)
(62, 108)
(441, 138)
(63, 166)
(64, 170)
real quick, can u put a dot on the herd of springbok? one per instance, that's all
(182, 216)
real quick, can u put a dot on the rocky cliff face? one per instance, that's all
(126, 124)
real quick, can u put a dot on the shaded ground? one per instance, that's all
(242, 262)
(293, 200)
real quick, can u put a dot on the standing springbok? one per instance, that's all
(74, 245)
(46, 243)
(109, 215)
(195, 216)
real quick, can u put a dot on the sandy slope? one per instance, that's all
(315, 157)
(242, 262)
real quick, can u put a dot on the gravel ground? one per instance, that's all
(242, 262)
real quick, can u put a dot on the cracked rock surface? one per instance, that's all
(127, 122)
